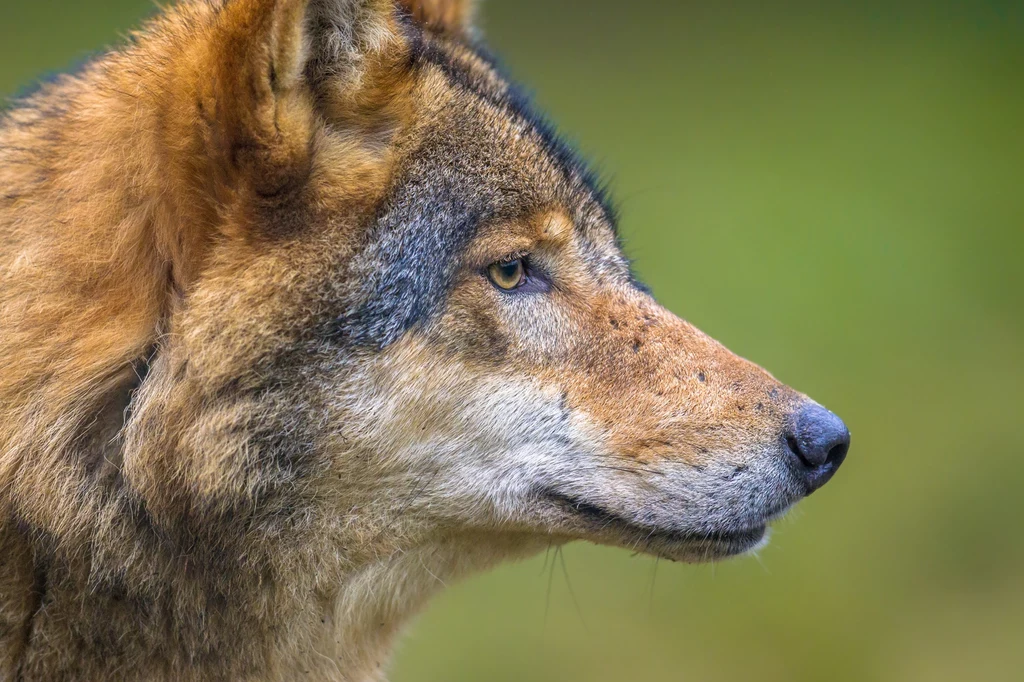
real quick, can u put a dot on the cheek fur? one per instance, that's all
(473, 442)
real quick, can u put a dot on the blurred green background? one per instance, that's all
(835, 190)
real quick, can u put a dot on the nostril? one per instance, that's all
(794, 447)
(838, 452)
(820, 440)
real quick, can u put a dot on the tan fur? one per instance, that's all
(446, 15)
(270, 502)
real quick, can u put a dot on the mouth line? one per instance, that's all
(656, 540)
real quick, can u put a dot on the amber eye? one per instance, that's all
(507, 274)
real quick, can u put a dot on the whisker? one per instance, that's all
(572, 593)
(551, 582)
(650, 596)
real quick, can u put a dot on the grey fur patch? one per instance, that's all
(411, 260)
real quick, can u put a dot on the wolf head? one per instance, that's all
(382, 306)
(407, 311)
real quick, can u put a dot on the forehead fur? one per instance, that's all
(470, 67)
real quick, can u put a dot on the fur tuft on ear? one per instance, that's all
(444, 16)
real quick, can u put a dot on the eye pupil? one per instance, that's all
(507, 275)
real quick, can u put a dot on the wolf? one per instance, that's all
(303, 311)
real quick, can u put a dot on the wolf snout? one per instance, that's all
(818, 441)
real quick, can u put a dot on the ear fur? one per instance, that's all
(444, 16)
(258, 107)
(255, 77)
(264, 70)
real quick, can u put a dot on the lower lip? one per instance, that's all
(717, 544)
(700, 548)
(742, 541)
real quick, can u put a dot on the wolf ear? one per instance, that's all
(248, 97)
(446, 16)
(255, 78)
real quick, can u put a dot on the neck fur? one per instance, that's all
(361, 618)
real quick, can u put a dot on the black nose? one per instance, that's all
(819, 440)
